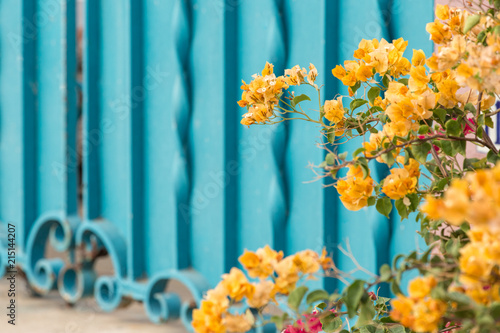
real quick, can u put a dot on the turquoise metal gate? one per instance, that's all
(172, 186)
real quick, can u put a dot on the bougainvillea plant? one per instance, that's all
(417, 116)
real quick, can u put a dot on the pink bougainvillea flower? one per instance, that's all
(468, 129)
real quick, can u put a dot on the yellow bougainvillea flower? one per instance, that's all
(421, 287)
(418, 58)
(237, 285)
(208, 318)
(334, 110)
(288, 275)
(419, 80)
(264, 292)
(239, 323)
(419, 311)
(475, 199)
(307, 261)
(448, 90)
(295, 75)
(478, 263)
(312, 75)
(442, 12)
(339, 72)
(428, 314)
(399, 183)
(260, 264)
(268, 69)
(354, 190)
(439, 32)
(325, 261)
(364, 73)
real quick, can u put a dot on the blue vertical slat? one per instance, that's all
(120, 125)
(167, 114)
(56, 119)
(92, 131)
(262, 198)
(135, 235)
(213, 205)
(18, 87)
(312, 214)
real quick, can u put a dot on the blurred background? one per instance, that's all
(124, 169)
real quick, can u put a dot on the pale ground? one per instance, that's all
(52, 315)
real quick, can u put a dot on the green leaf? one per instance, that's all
(488, 121)
(357, 103)
(342, 156)
(355, 87)
(321, 305)
(402, 208)
(388, 158)
(397, 329)
(366, 313)
(452, 246)
(297, 99)
(353, 295)
(420, 151)
(459, 146)
(469, 107)
(403, 81)
(331, 322)
(495, 310)
(279, 320)
(414, 201)
(386, 80)
(447, 147)
(369, 329)
(469, 163)
(317, 295)
(459, 298)
(373, 93)
(384, 206)
(492, 157)
(385, 272)
(427, 253)
(441, 114)
(363, 163)
(453, 127)
(296, 296)
(331, 136)
(471, 22)
(424, 129)
(396, 290)
(358, 151)
(330, 159)
(371, 201)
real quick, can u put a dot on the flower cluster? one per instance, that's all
(479, 262)
(419, 311)
(402, 181)
(277, 275)
(418, 117)
(262, 95)
(470, 41)
(375, 57)
(355, 189)
(474, 199)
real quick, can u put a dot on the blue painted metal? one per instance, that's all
(173, 187)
